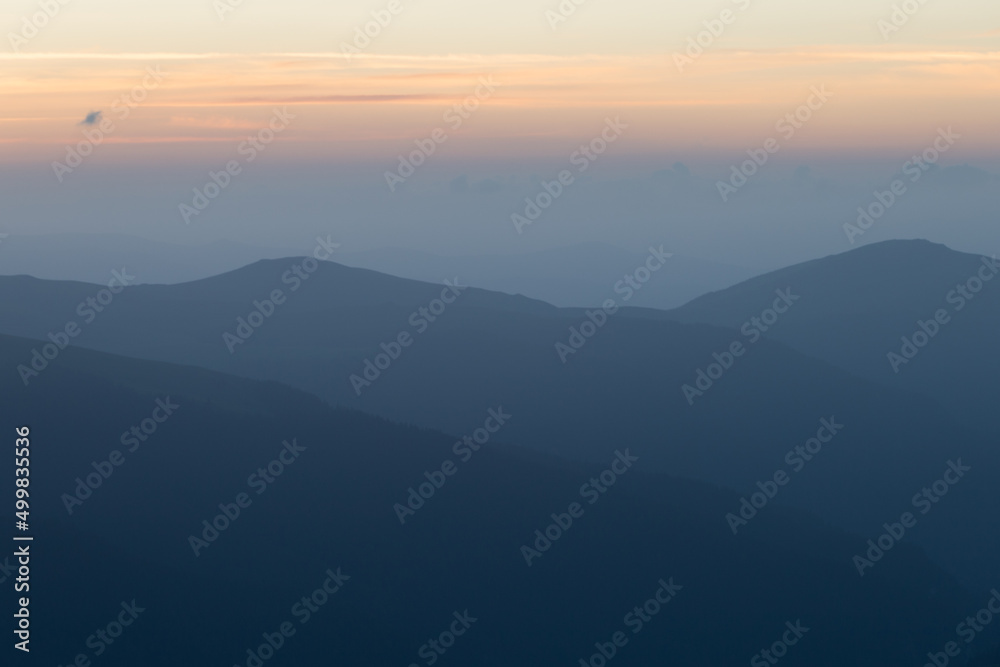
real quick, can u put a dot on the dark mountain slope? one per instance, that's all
(333, 508)
(856, 307)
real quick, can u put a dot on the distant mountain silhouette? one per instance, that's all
(89, 257)
(577, 275)
(331, 511)
(856, 308)
(623, 387)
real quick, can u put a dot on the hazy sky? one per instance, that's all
(492, 26)
(886, 94)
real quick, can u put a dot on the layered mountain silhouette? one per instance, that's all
(328, 517)
(578, 386)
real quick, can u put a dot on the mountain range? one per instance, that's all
(576, 275)
(754, 447)
(327, 518)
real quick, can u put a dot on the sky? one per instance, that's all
(166, 94)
